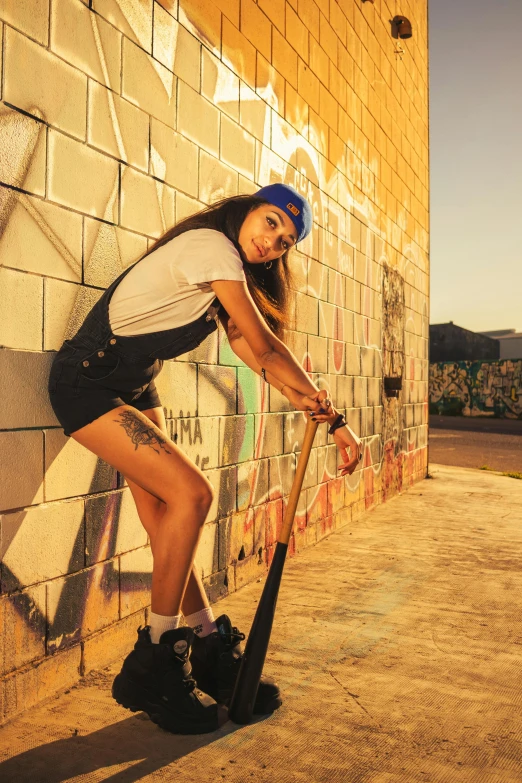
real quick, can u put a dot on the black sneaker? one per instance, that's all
(216, 660)
(155, 678)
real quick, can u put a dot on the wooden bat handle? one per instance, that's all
(293, 500)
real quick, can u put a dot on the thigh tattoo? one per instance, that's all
(140, 433)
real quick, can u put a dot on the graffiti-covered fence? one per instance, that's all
(477, 389)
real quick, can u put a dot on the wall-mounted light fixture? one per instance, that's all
(402, 27)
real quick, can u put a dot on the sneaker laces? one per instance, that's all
(233, 637)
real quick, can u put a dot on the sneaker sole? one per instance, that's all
(137, 699)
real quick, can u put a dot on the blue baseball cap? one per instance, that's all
(290, 201)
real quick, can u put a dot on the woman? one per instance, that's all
(231, 261)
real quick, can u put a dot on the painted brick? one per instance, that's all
(135, 580)
(21, 488)
(237, 147)
(86, 41)
(42, 238)
(23, 388)
(308, 84)
(238, 53)
(254, 114)
(107, 251)
(112, 643)
(134, 24)
(175, 47)
(199, 439)
(216, 391)
(203, 19)
(112, 526)
(59, 298)
(21, 316)
(80, 604)
(117, 127)
(216, 179)
(311, 476)
(32, 684)
(138, 189)
(174, 159)
(148, 84)
(307, 314)
(240, 535)
(253, 393)
(219, 84)
(70, 469)
(275, 10)
(284, 58)
(224, 482)
(236, 439)
(270, 85)
(23, 626)
(248, 570)
(207, 554)
(318, 350)
(282, 472)
(268, 434)
(81, 178)
(252, 484)
(256, 27)
(28, 537)
(186, 206)
(359, 392)
(29, 17)
(296, 33)
(308, 12)
(344, 390)
(23, 163)
(36, 79)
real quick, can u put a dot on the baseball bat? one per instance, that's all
(247, 682)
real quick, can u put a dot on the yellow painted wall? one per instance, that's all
(119, 117)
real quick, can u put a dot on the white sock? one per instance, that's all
(159, 623)
(202, 623)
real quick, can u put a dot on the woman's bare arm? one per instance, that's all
(268, 351)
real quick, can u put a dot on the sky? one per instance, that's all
(476, 163)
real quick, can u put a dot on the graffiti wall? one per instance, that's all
(477, 389)
(118, 118)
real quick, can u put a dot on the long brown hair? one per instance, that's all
(269, 288)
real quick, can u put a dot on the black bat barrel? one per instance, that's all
(247, 682)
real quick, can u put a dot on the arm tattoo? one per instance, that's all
(140, 433)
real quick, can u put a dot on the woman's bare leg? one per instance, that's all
(129, 441)
(151, 511)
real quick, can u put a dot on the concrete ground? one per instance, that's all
(472, 442)
(397, 644)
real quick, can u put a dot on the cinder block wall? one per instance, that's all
(119, 117)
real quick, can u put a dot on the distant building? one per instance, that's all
(451, 343)
(510, 342)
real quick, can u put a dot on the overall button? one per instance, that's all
(208, 318)
(85, 363)
(113, 341)
(101, 353)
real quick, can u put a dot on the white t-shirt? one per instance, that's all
(170, 287)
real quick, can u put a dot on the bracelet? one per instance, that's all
(339, 422)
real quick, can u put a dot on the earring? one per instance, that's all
(268, 264)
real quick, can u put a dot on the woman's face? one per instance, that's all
(266, 233)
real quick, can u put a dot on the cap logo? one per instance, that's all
(180, 647)
(293, 209)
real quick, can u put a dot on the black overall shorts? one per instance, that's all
(97, 370)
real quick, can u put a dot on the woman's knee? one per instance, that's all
(197, 495)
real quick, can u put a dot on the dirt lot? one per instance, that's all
(476, 442)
